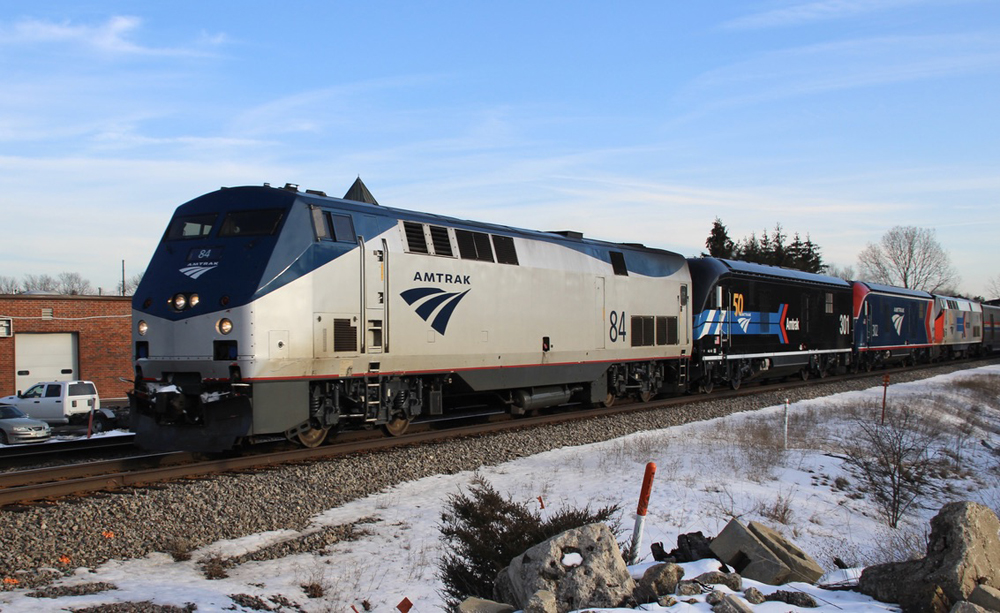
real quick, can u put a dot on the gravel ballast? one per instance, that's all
(42, 542)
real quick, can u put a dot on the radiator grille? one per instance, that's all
(345, 336)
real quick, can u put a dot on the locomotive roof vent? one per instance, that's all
(568, 233)
(292, 187)
(316, 192)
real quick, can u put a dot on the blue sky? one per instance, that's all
(636, 121)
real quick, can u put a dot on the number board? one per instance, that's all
(201, 255)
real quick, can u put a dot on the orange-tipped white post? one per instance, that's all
(640, 511)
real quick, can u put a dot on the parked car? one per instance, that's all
(16, 427)
(61, 402)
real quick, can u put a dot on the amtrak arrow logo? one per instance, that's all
(744, 323)
(430, 300)
(196, 271)
(897, 322)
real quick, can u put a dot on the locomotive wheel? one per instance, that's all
(734, 383)
(804, 373)
(313, 437)
(645, 396)
(609, 400)
(707, 387)
(397, 426)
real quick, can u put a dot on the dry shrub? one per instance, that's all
(637, 449)
(214, 567)
(981, 389)
(760, 445)
(179, 547)
(895, 461)
(809, 428)
(484, 531)
(780, 510)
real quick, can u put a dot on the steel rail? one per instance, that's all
(17, 489)
(53, 448)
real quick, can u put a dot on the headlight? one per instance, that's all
(193, 300)
(142, 327)
(179, 301)
(224, 326)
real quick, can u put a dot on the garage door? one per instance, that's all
(45, 357)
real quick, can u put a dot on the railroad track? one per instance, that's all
(41, 453)
(22, 487)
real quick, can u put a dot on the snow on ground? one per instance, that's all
(61, 437)
(707, 472)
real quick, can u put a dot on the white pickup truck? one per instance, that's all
(62, 402)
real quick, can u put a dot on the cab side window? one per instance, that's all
(34, 391)
(52, 391)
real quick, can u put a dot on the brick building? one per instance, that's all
(58, 338)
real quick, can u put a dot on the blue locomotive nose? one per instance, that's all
(216, 253)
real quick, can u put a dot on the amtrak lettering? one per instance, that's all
(791, 324)
(440, 277)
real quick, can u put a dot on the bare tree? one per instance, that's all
(73, 284)
(130, 284)
(841, 272)
(993, 287)
(908, 256)
(40, 283)
(9, 285)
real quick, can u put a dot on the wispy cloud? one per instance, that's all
(314, 110)
(116, 36)
(847, 64)
(812, 12)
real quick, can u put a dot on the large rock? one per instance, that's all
(987, 597)
(963, 552)
(481, 605)
(801, 567)
(732, 603)
(691, 547)
(582, 567)
(748, 555)
(968, 607)
(542, 601)
(658, 580)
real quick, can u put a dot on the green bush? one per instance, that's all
(484, 531)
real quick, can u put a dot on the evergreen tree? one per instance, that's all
(770, 248)
(750, 250)
(718, 242)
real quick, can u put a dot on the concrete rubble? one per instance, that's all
(584, 568)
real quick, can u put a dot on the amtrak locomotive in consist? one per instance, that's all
(273, 311)
(753, 320)
(892, 325)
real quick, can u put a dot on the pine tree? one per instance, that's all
(718, 242)
(771, 248)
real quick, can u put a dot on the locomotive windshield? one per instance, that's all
(192, 226)
(251, 223)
